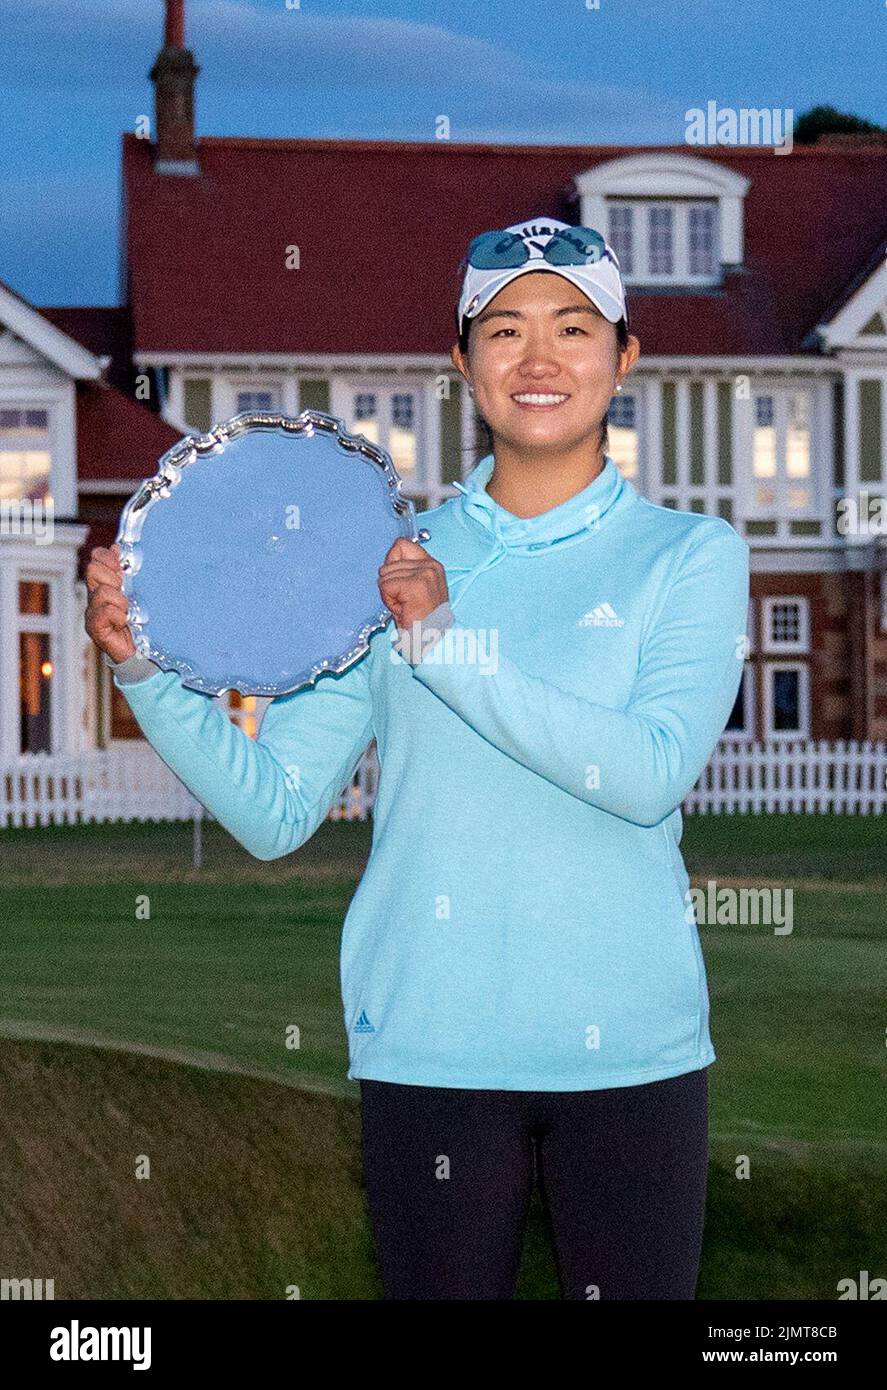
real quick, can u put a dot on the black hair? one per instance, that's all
(462, 332)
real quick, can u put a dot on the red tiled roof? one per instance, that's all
(381, 227)
(117, 437)
(103, 330)
(855, 280)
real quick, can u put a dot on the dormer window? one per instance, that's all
(671, 219)
(661, 242)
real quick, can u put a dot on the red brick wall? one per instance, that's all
(843, 624)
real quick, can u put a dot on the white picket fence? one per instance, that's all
(134, 784)
(127, 784)
(809, 776)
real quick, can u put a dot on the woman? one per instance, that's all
(523, 985)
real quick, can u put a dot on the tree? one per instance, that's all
(823, 120)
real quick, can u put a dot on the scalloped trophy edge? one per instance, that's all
(193, 446)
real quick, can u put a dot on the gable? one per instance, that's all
(29, 338)
(860, 321)
(15, 352)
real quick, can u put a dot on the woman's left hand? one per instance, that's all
(411, 582)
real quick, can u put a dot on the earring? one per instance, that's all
(618, 385)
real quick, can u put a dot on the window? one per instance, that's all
(33, 597)
(36, 665)
(797, 449)
(620, 238)
(741, 721)
(661, 234)
(402, 434)
(402, 410)
(258, 398)
(246, 711)
(622, 434)
(122, 723)
(704, 218)
(24, 454)
(665, 242)
(786, 624)
(781, 451)
(750, 628)
(786, 700)
(764, 454)
(702, 242)
(388, 416)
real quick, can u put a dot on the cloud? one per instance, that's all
(114, 41)
(489, 91)
(112, 44)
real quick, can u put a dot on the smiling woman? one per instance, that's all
(565, 316)
(522, 990)
(543, 343)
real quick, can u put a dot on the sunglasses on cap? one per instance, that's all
(565, 246)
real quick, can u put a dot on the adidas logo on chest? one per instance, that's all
(602, 615)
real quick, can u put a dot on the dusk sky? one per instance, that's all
(74, 77)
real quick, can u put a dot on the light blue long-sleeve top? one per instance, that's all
(522, 922)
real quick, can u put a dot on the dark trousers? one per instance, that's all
(622, 1171)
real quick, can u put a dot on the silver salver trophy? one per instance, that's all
(250, 560)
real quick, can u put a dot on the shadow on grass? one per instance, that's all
(126, 1176)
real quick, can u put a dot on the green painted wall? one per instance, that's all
(669, 435)
(870, 431)
(198, 403)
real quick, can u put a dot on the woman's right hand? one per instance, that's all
(107, 608)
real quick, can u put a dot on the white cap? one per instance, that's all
(597, 274)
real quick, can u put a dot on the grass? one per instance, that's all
(166, 1035)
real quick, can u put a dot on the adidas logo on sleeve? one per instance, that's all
(602, 615)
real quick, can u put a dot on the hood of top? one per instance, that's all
(575, 520)
(581, 513)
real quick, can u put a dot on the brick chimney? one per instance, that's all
(173, 76)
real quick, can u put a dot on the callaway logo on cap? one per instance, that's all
(580, 254)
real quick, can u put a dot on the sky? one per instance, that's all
(75, 76)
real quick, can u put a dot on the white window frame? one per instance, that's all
(640, 273)
(744, 412)
(668, 175)
(344, 388)
(225, 390)
(48, 623)
(38, 390)
(768, 670)
(272, 386)
(769, 644)
(26, 402)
